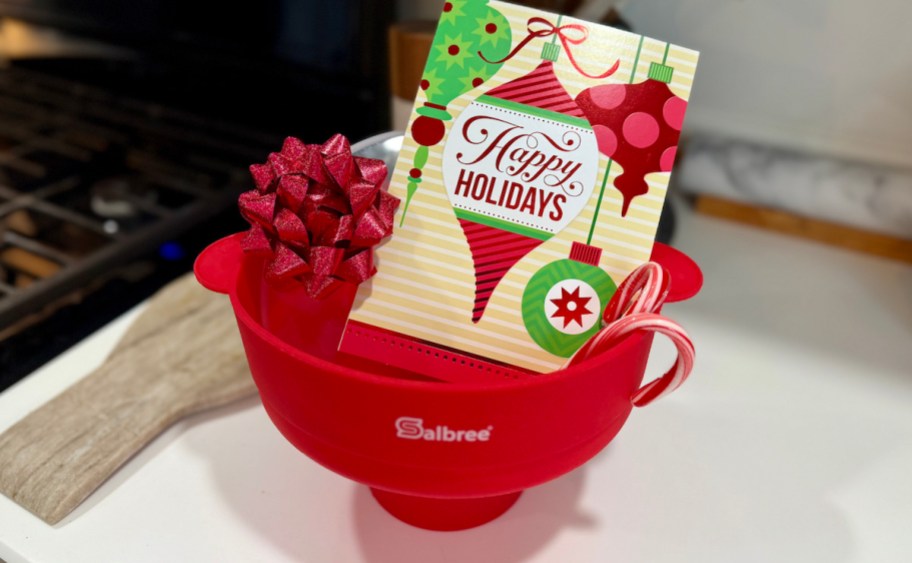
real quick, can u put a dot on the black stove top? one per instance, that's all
(126, 130)
(103, 199)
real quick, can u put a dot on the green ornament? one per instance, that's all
(563, 303)
(454, 65)
(467, 30)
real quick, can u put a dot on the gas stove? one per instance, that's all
(103, 199)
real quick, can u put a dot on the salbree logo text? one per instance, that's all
(410, 428)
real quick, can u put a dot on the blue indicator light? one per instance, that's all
(171, 251)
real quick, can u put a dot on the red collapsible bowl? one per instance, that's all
(441, 456)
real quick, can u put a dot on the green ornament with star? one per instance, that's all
(563, 302)
(469, 32)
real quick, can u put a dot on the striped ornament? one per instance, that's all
(496, 241)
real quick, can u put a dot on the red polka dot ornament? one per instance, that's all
(637, 126)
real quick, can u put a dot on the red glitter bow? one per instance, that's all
(318, 211)
(569, 34)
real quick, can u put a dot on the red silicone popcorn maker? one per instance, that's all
(441, 456)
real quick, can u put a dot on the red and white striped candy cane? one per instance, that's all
(634, 307)
(643, 291)
(674, 377)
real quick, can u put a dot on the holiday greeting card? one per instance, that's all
(532, 177)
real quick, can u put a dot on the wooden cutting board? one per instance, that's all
(182, 355)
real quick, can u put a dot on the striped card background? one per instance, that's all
(425, 284)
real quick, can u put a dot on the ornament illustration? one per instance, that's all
(520, 163)
(563, 302)
(502, 175)
(637, 125)
(454, 67)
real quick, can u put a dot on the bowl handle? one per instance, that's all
(686, 276)
(217, 266)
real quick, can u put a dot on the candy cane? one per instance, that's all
(674, 377)
(649, 283)
(633, 308)
(643, 291)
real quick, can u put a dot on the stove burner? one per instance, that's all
(120, 199)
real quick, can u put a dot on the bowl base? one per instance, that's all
(444, 514)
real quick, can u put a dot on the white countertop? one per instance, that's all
(792, 441)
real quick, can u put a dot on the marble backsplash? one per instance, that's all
(854, 194)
